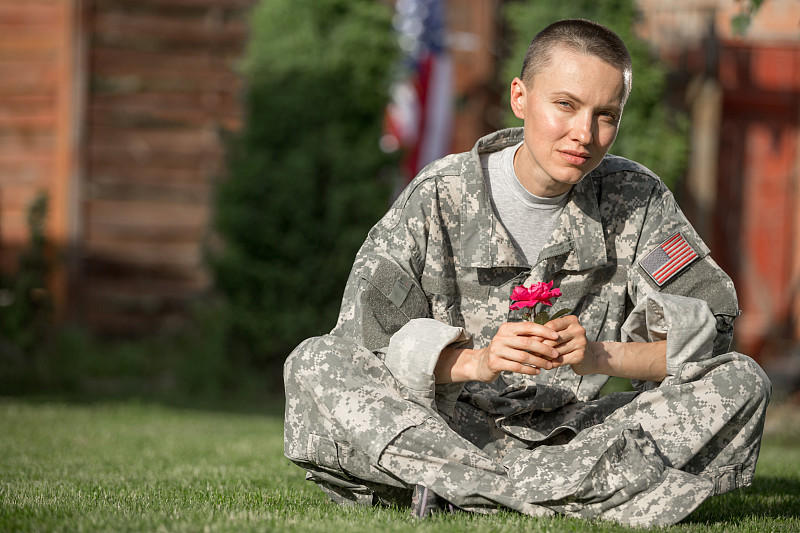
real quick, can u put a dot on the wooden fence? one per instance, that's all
(162, 89)
(116, 109)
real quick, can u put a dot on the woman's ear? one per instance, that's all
(517, 97)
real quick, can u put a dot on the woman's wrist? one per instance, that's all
(589, 365)
(456, 365)
(634, 360)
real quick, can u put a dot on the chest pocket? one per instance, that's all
(593, 315)
(440, 293)
(591, 312)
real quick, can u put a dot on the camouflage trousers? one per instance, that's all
(639, 458)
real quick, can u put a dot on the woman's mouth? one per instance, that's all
(574, 157)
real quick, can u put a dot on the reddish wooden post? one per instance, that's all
(63, 201)
(756, 219)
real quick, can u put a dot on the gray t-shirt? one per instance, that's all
(529, 219)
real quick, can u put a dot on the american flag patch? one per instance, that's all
(666, 261)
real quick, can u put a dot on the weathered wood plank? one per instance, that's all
(106, 59)
(44, 28)
(27, 78)
(103, 170)
(156, 140)
(14, 231)
(134, 291)
(52, 3)
(11, 50)
(205, 158)
(111, 272)
(173, 80)
(17, 198)
(145, 219)
(180, 163)
(150, 254)
(164, 192)
(109, 116)
(235, 5)
(30, 30)
(26, 104)
(15, 143)
(29, 14)
(27, 124)
(153, 31)
(24, 169)
(208, 104)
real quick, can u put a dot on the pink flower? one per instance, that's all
(530, 296)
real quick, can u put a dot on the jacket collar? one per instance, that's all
(485, 242)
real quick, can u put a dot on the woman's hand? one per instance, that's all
(646, 361)
(522, 347)
(528, 348)
(516, 347)
(572, 346)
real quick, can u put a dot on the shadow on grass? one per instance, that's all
(766, 498)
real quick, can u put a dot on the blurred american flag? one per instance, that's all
(420, 114)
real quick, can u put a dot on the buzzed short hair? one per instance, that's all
(582, 36)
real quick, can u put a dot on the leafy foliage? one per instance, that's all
(24, 300)
(740, 23)
(303, 188)
(651, 133)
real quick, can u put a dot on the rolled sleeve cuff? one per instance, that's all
(412, 356)
(686, 323)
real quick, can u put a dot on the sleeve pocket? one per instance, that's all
(389, 299)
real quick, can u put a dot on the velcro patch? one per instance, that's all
(669, 259)
(400, 291)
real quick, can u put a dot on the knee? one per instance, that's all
(752, 381)
(304, 361)
(313, 360)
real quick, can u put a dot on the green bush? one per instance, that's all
(303, 185)
(24, 299)
(25, 307)
(651, 132)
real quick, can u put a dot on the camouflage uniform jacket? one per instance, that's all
(439, 269)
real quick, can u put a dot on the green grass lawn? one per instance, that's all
(133, 466)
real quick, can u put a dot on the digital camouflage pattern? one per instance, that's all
(366, 420)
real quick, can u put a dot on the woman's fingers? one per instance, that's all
(527, 329)
(571, 343)
(528, 348)
(528, 358)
